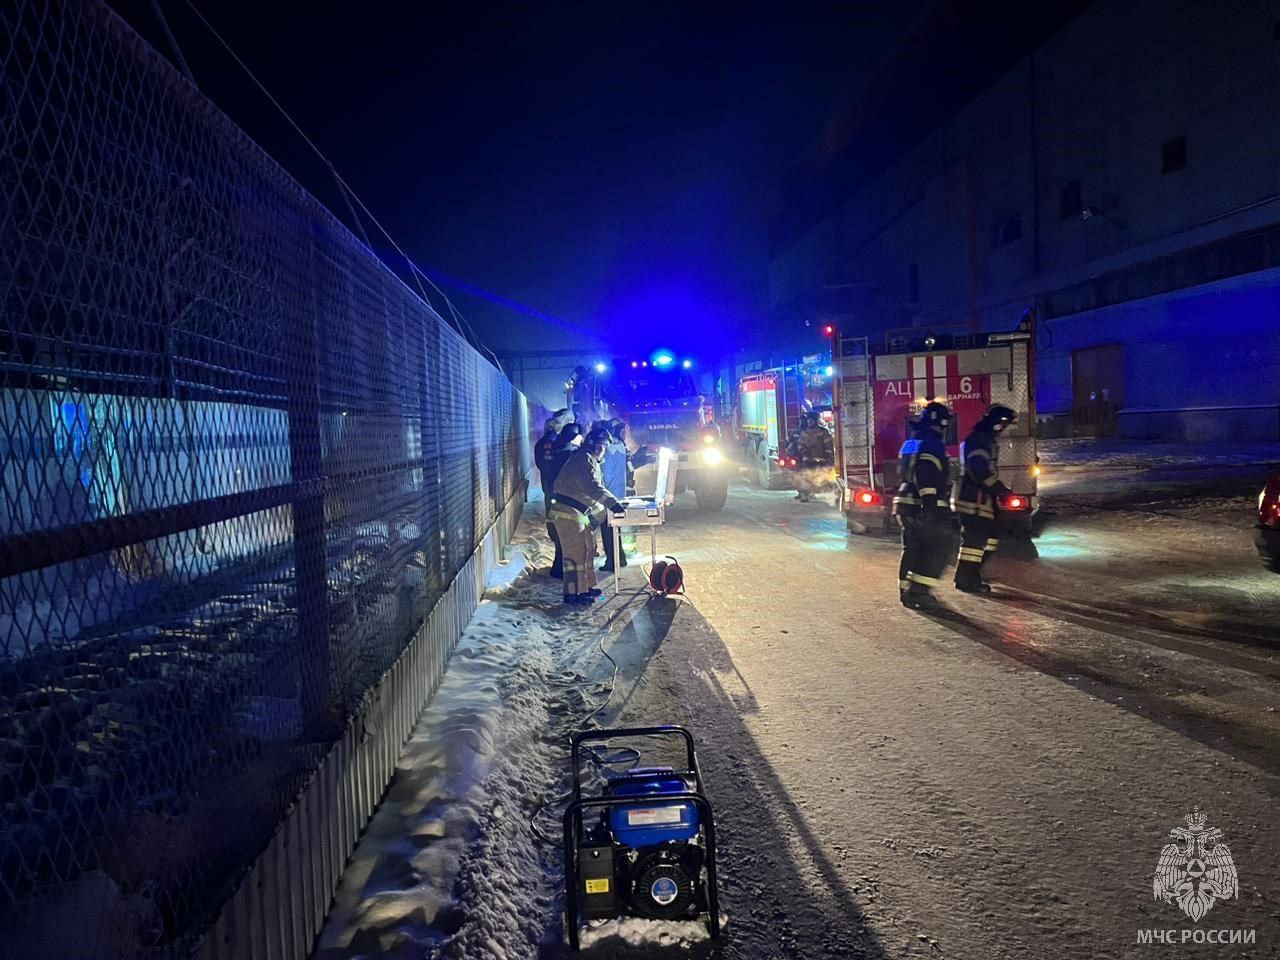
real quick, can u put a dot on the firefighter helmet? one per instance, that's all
(1000, 416)
(935, 415)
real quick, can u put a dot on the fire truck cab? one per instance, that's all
(880, 391)
(660, 401)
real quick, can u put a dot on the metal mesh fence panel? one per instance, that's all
(239, 461)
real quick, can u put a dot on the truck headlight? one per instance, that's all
(711, 456)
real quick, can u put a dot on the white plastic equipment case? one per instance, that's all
(648, 512)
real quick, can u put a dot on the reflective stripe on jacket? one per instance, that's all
(925, 470)
(580, 484)
(979, 489)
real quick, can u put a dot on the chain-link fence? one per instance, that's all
(240, 461)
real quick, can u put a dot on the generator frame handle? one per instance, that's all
(573, 827)
(666, 730)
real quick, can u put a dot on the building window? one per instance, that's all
(1006, 231)
(1070, 201)
(913, 283)
(1173, 155)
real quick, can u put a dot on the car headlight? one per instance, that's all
(711, 456)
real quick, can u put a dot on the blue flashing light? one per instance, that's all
(687, 364)
(829, 371)
(663, 360)
(600, 367)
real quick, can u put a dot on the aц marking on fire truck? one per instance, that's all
(902, 388)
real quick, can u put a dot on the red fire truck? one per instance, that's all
(770, 405)
(880, 390)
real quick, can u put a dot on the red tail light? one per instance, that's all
(1270, 514)
(867, 498)
(791, 462)
(1269, 503)
(1015, 501)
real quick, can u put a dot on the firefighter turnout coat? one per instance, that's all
(979, 488)
(815, 445)
(926, 473)
(579, 490)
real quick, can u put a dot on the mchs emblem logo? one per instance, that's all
(1197, 871)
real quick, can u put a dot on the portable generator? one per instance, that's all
(645, 846)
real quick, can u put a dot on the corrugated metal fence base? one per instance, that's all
(278, 909)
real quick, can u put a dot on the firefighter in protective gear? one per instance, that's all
(978, 496)
(544, 452)
(815, 455)
(567, 442)
(923, 508)
(579, 496)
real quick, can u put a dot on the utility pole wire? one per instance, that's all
(418, 274)
(355, 217)
(173, 42)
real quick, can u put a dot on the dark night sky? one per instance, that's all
(605, 164)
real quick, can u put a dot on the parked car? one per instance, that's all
(1268, 536)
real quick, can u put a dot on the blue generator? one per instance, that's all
(644, 846)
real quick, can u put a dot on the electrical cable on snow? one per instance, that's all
(625, 754)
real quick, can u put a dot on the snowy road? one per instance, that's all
(994, 784)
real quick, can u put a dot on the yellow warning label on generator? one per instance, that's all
(598, 886)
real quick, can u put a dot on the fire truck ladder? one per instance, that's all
(855, 420)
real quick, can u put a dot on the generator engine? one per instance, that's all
(644, 847)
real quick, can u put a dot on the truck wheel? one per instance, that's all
(712, 498)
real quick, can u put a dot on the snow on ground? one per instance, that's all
(997, 783)
(406, 891)
(450, 865)
(1207, 482)
(1082, 455)
(1164, 527)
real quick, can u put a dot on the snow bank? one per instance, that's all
(634, 933)
(450, 866)
(1088, 455)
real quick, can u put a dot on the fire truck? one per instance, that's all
(880, 390)
(659, 398)
(770, 405)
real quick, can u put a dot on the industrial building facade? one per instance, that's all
(1122, 181)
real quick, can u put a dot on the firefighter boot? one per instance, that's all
(920, 597)
(969, 571)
